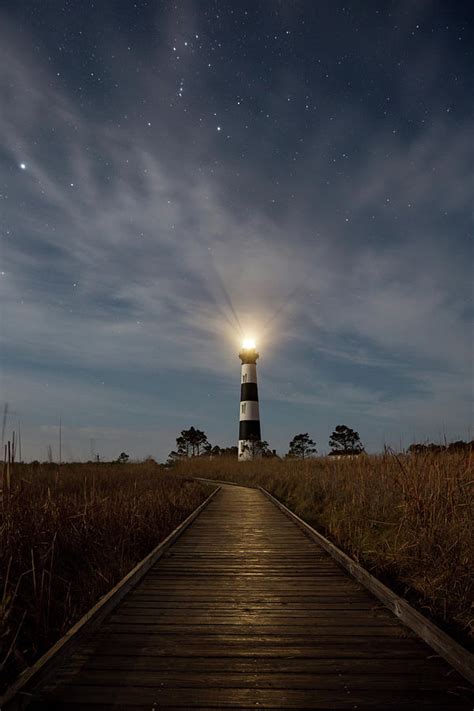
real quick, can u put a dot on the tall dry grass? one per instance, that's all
(67, 537)
(408, 519)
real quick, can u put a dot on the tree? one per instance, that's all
(190, 443)
(196, 441)
(123, 458)
(230, 451)
(426, 448)
(257, 447)
(301, 447)
(461, 446)
(344, 441)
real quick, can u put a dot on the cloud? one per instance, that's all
(128, 246)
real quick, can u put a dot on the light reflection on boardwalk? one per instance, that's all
(245, 611)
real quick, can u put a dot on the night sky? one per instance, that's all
(175, 175)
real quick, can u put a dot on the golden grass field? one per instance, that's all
(407, 519)
(67, 537)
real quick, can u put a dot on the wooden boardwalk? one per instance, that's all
(246, 611)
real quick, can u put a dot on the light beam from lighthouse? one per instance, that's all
(249, 424)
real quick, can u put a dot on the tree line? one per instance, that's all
(431, 448)
(344, 441)
(193, 442)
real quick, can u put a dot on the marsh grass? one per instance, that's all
(407, 519)
(68, 537)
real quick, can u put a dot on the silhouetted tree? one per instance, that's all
(230, 452)
(190, 443)
(417, 448)
(461, 446)
(344, 441)
(432, 448)
(123, 458)
(257, 447)
(301, 447)
(426, 448)
(197, 441)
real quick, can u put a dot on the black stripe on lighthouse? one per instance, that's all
(249, 429)
(248, 391)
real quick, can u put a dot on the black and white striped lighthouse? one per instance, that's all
(249, 425)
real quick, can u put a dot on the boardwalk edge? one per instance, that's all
(459, 657)
(203, 480)
(19, 694)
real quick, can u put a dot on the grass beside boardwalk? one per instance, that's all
(407, 519)
(67, 538)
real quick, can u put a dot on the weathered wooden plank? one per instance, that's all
(245, 646)
(236, 572)
(264, 680)
(319, 600)
(284, 618)
(117, 706)
(374, 666)
(151, 608)
(310, 630)
(162, 604)
(268, 583)
(251, 577)
(267, 698)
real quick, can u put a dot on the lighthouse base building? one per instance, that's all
(249, 421)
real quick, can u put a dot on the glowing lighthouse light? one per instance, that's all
(249, 424)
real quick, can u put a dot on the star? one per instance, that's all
(219, 128)
(23, 166)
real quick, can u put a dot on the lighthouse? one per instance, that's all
(249, 425)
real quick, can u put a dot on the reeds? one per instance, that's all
(407, 519)
(66, 539)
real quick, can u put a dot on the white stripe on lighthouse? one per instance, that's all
(249, 410)
(249, 373)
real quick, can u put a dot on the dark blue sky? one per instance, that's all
(170, 170)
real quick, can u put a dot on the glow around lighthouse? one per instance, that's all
(249, 421)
